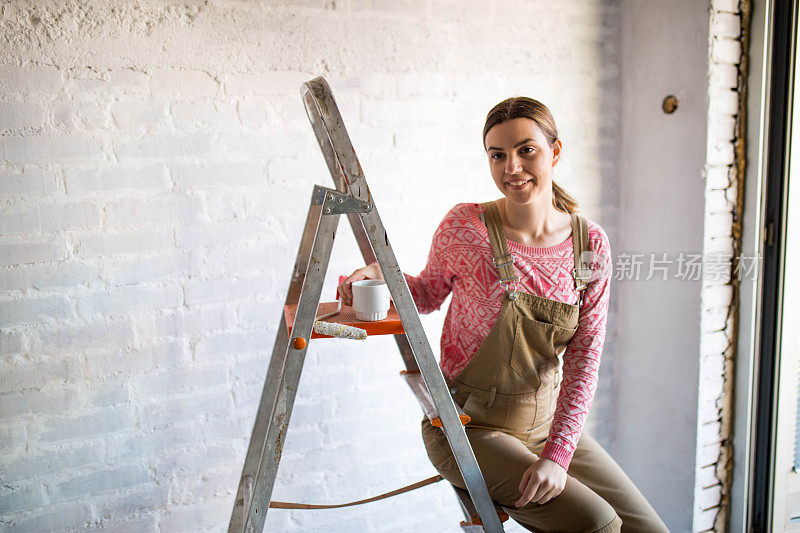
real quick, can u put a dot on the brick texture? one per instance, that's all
(717, 295)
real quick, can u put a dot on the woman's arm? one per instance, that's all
(428, 289)
(582, 358)
(431, 287)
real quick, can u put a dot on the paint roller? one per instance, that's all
(338, 330)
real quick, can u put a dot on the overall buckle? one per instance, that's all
(581, 276)
(500, 258)
(510, 292)
(582, 272)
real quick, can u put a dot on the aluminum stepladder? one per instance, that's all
(351, 197)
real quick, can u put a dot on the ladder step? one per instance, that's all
(391, 325)
(417, 385)
(469, 508)
(437, 422)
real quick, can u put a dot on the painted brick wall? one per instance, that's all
(155, 170)
(717, 320)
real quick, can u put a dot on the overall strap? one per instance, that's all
(582, 271)
(503, 260)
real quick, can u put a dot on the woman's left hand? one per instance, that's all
(541, 482)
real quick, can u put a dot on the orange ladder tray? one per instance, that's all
(390, 325)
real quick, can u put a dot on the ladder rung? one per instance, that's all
(417, 385)
(391, 325)
(437, 422)
(466, 503)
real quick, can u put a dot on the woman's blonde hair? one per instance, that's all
(523, 107)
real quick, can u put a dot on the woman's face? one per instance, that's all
(521, 160)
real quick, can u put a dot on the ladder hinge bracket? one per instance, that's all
(337, 203)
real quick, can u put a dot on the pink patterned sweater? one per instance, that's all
(460, 260)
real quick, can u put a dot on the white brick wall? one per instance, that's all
(717, 322)
(155, 170)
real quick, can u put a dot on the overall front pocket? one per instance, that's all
(484, 411)
(536, 347)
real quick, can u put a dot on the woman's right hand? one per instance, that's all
(371, 271)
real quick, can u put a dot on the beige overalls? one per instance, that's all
(509, 389)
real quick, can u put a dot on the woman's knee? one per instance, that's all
(595, 518)
(577, 508)
(564, 523)
(612, 527)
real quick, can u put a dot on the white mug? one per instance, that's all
(370, 299)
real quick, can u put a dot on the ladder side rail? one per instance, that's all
(275, 371)
(287, 391)
(320, 102)
(324, 142)
(468, 508)
(335, 169)
(329, 128)
(406, 352)
(355, 220)
(369, 256)
(431, 373)
(258, 436)
(361, 238)
(415, 382)
(305, 249)
(356, 224)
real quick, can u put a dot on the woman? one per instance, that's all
(523, 336)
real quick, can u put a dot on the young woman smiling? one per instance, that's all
(523, 336)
